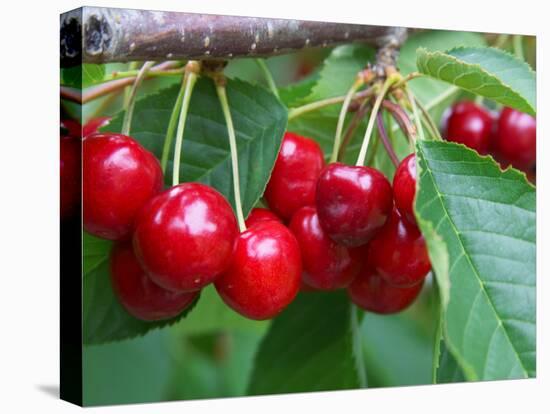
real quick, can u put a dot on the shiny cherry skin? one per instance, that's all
(372, 293)
(516, 138)
(404, 187)
(471, 125)
(119, 177)
(258, 215)
(69, 174)
(93, 125)
(353, 203)
(294, 176)
(264, 275)
(137, 293)
(398, 253)
(326, 264)
(184, 237)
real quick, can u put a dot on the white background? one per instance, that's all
(29, 292)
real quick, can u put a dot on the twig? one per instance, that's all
(300, 110)
(122, 35)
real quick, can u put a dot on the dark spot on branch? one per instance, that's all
(70, 33)
(98, 35)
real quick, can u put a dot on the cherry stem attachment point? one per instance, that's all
(268, 77)
(222, 95)
(385, 140)
(342, 117)
(127, 122)
(192, 69)
(365, 145)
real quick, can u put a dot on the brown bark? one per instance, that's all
(121, 35)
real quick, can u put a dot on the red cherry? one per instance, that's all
(184, 236)
(372, 293)
(93, 125)
(327, 265)
(70, 166)
(138, 294)
(294, 177)
(258, 215)
(404, 187)
(353, 203)
(264, 275)
(471, 125)
(71, 127)
(516, 138)
(119, 177)
(398, 252)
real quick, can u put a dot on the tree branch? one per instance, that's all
(121, 35)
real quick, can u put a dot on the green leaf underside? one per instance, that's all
(487, 219)
(488, 72)
(82, 76)
(104, 318)
(303, 352)
(259, 120)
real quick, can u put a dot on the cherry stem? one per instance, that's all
(133, 73)
(192, 68)
(313, 106)
(501, 40)
(342, 117)
(97, 91)
(364, 146)
(428, 119)
(268, 77)
(417, 122)
(405, 79)
(518, 46)
(354, 123)
(127, 122)
(172, 125)
(385, 140)
(401, 117)
(222, 95)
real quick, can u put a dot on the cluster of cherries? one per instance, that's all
(328, 227)
(510, 136)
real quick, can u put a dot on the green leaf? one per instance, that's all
(309, 347)
(486, 218)
(134, 371)
(339, 72)
(488, 72)
(104, 318)
(434, 94)
(82, 76)
(397, 350)
(448, 370)
(295, 94)
(259, 120)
